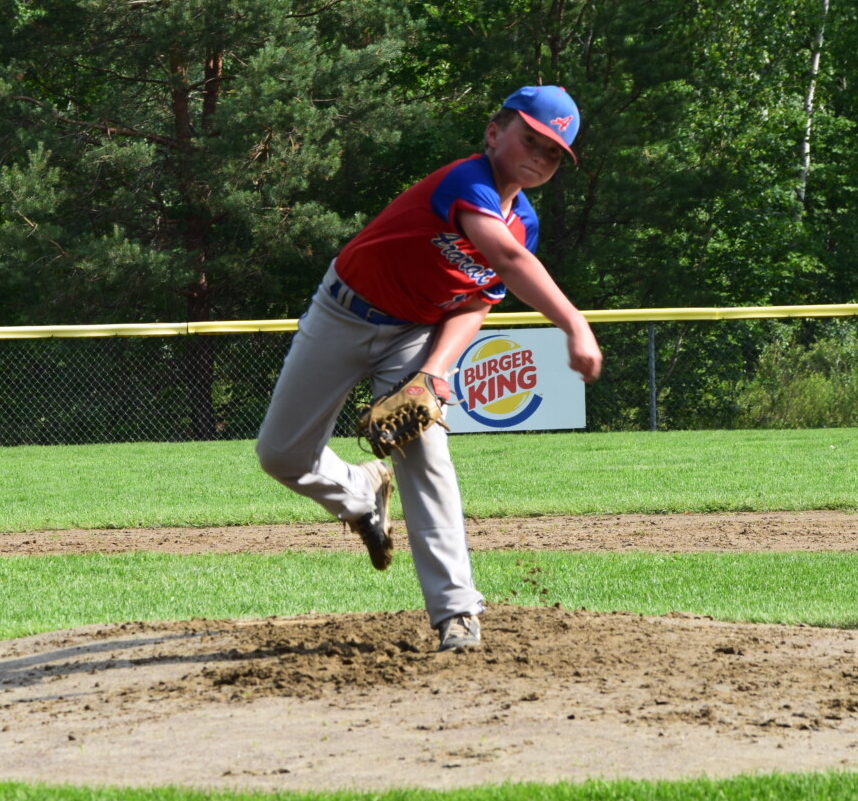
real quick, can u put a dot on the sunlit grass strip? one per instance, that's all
(777, 787)
(45, 593)
(220, 483)
(818, 589)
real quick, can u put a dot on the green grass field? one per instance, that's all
(811, 787)
(220, 483)
(792, 588)
(207, 484)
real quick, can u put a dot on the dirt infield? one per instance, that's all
(365, 702)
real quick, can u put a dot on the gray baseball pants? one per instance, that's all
(332, 352)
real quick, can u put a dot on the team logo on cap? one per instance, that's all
(562, 123)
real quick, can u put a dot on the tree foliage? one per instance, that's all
(204, 159)
(179, 160)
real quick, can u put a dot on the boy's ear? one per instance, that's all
(491, 134)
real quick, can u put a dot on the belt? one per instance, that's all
(358, 306)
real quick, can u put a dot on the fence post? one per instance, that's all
(653, 422)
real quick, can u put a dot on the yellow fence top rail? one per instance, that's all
(723, 313)
(122, 330)
(493, 320)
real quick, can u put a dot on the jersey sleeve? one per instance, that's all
(494, 294)
(470, 187)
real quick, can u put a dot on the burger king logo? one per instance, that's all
(496, 382)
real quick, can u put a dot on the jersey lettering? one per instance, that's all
(450, 250)
(412, 263)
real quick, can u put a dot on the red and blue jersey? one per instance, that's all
(413, 262)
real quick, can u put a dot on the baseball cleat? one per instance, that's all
(459, 631)
(374, 528)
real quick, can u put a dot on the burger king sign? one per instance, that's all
(514, 381)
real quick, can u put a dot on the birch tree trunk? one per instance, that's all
(815, 56)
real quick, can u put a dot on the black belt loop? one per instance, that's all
(358, 306)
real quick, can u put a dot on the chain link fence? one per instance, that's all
(658, 375)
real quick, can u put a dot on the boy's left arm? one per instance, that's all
(453, 334)
(526, 277)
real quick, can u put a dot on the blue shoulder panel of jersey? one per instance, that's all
(530, 221)
(471, 182)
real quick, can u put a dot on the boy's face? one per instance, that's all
(522, 156)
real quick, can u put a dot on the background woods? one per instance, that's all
(163, 161)
(188, 160)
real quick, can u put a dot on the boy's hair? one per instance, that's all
(503, 117)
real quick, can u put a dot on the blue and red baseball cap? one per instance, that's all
(547, 110)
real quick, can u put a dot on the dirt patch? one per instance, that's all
(365, 702)
(771, 531)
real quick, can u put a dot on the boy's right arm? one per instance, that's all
(526, 277)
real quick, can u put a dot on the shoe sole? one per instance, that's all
(459, 645)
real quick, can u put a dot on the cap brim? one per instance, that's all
(546, 131)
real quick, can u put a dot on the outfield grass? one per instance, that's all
(210, 484)
(220, 483)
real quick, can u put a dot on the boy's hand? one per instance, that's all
(585, 355)
(527, 278)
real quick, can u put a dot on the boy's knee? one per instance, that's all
(271, 461)
(287, 467)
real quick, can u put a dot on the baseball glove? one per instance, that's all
(402, 414)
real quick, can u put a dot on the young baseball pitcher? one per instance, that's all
(406, 295)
